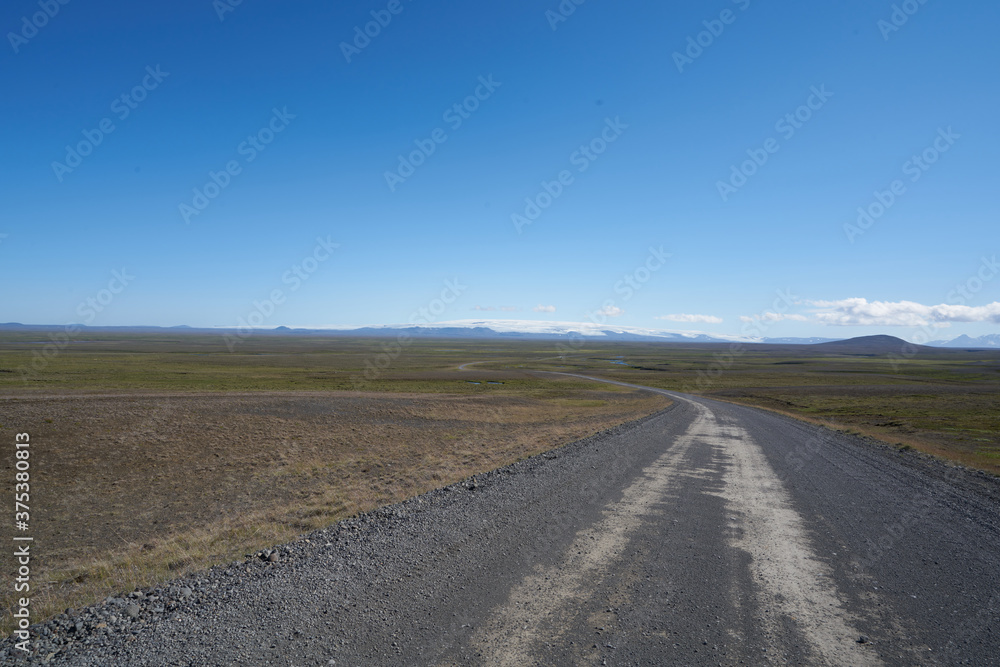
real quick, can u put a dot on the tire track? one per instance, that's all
(794, 586)
(540, 607)
(792, 582)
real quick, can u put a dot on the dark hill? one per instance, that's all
(871, 345)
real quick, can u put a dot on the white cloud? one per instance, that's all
(544, 309)
(773, 317)
(611, 311)
(861, 312)
(683, 317)
(508, 309)
(483, 308)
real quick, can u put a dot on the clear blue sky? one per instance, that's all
(672, 130)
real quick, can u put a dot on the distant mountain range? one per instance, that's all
(987, 341)
(527, 330)
(475, 329)
(534, 330)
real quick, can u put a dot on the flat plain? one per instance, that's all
(156, 455)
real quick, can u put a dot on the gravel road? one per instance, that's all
(707, 534)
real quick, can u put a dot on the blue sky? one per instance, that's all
(644, 126)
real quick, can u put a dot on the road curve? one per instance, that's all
(707, 534)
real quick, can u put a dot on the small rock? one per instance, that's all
(132, 611)
(273, 558)
(863, 639)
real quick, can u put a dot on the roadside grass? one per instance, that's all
(134, 488)
(945, 403)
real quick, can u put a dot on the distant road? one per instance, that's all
(707, 534)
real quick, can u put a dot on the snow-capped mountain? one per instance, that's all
(986, 341)
(543, 329)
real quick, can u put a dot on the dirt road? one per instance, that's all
(707, 534)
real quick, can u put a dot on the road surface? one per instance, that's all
(707, 534)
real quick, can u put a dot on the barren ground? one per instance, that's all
(133, 489)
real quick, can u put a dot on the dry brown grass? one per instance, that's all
(128, 491)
